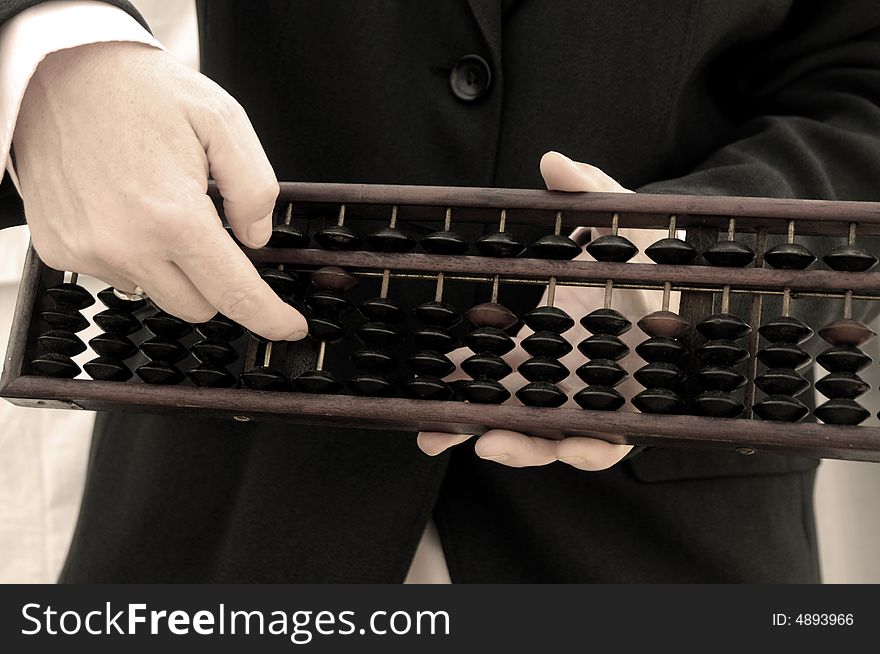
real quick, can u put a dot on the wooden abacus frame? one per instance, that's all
(701, 216)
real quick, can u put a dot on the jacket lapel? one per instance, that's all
(488, 16)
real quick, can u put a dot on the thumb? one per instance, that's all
(562, 174)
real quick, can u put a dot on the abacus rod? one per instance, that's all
(551, 292)
(447, 221)
(74, 277)
(341, 220)
(386, 278)
(288, 213)
(322, 348)
(757, 307)
(495, 283)
(672, 219)
(502, 222)
(267, 354)
(609, 286)
(725, 299)
(790, 231)
(847, 305)
(786, 302)
(557, 228)
(731, 228)
(667, 291)
(438, 292)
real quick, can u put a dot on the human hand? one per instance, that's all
(518, 450)
(113, 148)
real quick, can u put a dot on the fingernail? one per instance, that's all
(296, 335)
(260, 232)
(497, 458)
(576, 461)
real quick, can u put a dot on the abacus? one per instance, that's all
(414, 296)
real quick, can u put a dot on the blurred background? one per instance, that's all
(43, 453)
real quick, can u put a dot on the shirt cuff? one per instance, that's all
(27, 38)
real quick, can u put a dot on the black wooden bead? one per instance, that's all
(658, 400)
(374, 360)
(114, 346)
(66, 319)
(263, 378)
(724, 326)
(543, 369)
(850, 258)
(785, 329)
(220, 327)
(112, 301)
(601, 372)
(326, 329)
(491, 314)
(161, 324)
(671, 251)
(211, 375)
(660, 348)
(371, 384)
(842, 384)
(789, 256)
(160, 373)
(844, 358)
(664, 323)
(483, 391)
(541, 394)
(70, 296)
(381, 309)
(107, 369)
(430, 363)
(117, 321)
(548, 319)
(721, 353)
(213, 350)
(847, 331)
(612, 248)
(489, 339)
(338, 237)
(660, 375)
(782, 408)
(841, 411)
(556, 246)
(428, 388)
(436, 338)
(782, 381)
(437, 314)
(486, 366)
(390, 239)
(546, 344)
(288, 236)
(281, 282)
(317, 381)
(783, 355)
(61, 341)
(599, 398)
(606, 321)
(163, 349)
(499, 244)
(603, 346)
(718, 404)
(334, 278)
(729, 254)
(54, 364)
(720, 378)
(378, 334)
(327, 303)
(444, 242)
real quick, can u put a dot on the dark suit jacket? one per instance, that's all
(754, 97)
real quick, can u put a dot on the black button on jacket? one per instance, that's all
(754, 97)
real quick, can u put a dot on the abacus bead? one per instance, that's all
(850, 258)
(112, 301)
(390, 239)
(160, 373)
(599, 398)
(603, 346)
(499, 244)
(782, 408)
(550, 319)
(718, 404)
(436, 338)
(729, 254)
(160, 348)
(326, 329)
(117, 321)
(68, 320)
(444, 242)
(54, 364)
(334, 278)
(546, 344)
(371, 384)
(279, 281)
(486, 366)
(844, 358)
(61, 341)
(556, 246)
(491, 314)
(785, 329)
(720, 378)
(721, 352)
(325, 302)
(783, 355)
(489, 339)
(661, 348)
(210, 375)
(215, 351)
(671, 251)
(107, 369)
(723, 326)
(789, 256)
(658, 400)
(601, 372)
(841, 411)
(612, 248)
(429, 388)
(220, 327)
(377, 334)
(317, 381)
(541, 394)
(664, 323)
(338, 237)
(484, 391)
(543, 369)
(660, 375)
(431, 363)
(847, 332)
(70, 296)
(263, 378)
(287, 236)
(437, 314)
(164, 324)
(842, 384)
(782, 381)
(374, 360)
(114, 346)
(381, 309)
(606, 321)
